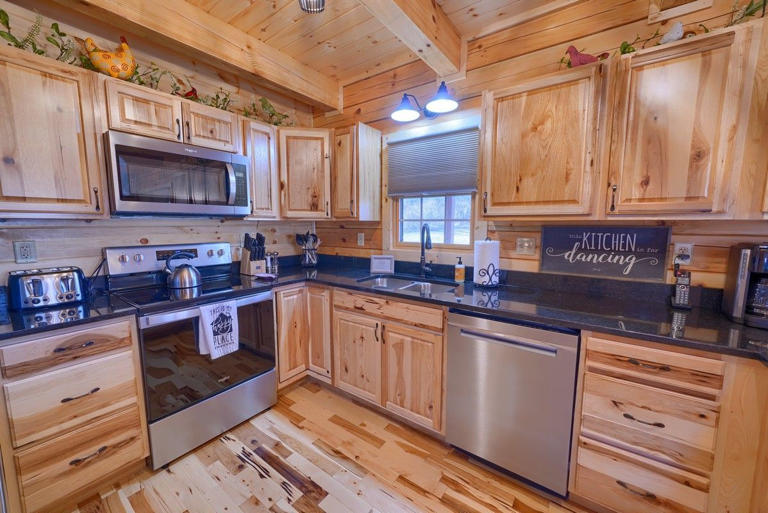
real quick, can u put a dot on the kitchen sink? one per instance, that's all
(401, 283)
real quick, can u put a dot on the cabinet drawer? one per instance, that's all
(678, 372)
(629, 483)
(63, 465)
(55, 401)
(647, 410)
(381, 307)
(43, 353)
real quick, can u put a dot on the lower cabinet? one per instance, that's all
(358, 353)
(72, 414)
(319, 313)
(292, 333)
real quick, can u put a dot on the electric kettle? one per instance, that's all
(183, 276)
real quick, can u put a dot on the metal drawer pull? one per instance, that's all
(647, 495)
(653, 424)
(69, 348)
(526, 346)
(79, 461)
(68, 399)
(666, 368)
(223, 380)
(376, 332)
(178, 129)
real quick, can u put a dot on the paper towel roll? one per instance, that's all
(487, 263)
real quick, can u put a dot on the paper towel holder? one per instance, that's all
(489, 273)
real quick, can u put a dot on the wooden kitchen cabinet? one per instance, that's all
(261, 148)
(292, 333)
(319, 314)
(356, 173)
(210, 127)
(679, 130)
(305, 172)
(49, 144)
(414, 374)
(541, 145)
(357, 353)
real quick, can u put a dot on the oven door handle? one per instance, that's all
(231, 184)
(181, 315)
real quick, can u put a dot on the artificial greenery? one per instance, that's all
(221, 100)
(266, 112)
(742, 14)
(64, 43)
(29, 41)
(151, 77)
(627, 47)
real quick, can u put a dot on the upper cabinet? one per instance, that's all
(140, 110)
(305, 172)
(261, 149)
(680, 121)
(541, 145)
(49, 145)
(357, 173)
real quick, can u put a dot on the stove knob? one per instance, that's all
(210, 252)
(123, 259)
(220, 252)
(70, 296)
(138, 257)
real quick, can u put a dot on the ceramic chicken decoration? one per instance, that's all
(118, 64)
(579, 59)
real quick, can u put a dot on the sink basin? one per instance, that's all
(408, 284)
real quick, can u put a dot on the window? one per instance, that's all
(449, 218)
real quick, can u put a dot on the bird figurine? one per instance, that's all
(578, 58)
(674, 34)
(118, 64)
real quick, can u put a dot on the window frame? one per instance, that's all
(397, 221)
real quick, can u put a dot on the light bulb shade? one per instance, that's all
(405, 111)
(442, 102)
(312, 6)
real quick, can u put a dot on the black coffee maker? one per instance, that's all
(745, 298)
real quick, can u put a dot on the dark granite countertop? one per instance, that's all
(631, 316)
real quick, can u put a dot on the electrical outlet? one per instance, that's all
(683, 253)
(361, 239)
(24, 251)
(526, 246)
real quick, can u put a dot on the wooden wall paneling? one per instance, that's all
(341, 238)
(659, 12)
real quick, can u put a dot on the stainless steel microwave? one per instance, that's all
(153, 176)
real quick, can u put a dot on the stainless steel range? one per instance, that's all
(190, 397)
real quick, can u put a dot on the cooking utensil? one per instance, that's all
(183, 276)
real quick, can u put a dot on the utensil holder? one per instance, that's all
(309, 258)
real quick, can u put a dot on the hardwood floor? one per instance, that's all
(316, 451)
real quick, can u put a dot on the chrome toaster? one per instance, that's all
(39, 288)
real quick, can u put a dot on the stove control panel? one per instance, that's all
(143, 259)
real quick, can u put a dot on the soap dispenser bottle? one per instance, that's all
(459, 272)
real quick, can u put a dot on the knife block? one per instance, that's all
(251, 268)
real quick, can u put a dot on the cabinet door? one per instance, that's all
(368, 173)
(344, 199)
(357, 355)
(414, 370)
(305, 172)
(292, 332)
(143, 111)
(49, 160)
(677, 125)
(210, 127)
(319, 304)
(261, 148)
(540, 145)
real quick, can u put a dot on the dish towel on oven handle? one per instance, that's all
(219, 334)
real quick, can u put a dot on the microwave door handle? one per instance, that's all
(231, 184)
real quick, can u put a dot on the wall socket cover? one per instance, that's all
(683, 253)
(24, 251)
(361, 239)
(526, 246)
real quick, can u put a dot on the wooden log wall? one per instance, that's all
(205, 78)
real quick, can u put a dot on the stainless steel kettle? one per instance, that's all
(183, 276)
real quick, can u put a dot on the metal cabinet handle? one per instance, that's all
(652, 424)
(376, 332)
(189, 132)
(644, 494)
(665, 368)
(485, 203)
(352, 207)
(178, 129)
(79, 461)
(68, 399)
(62, 349)
(326, 208)
(613, 197)
(96, 195)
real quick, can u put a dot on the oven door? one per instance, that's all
(177, 376)
(152, 176)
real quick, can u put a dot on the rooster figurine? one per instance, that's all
(578, 58)
(118, 64)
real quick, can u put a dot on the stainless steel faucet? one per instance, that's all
(426, 243)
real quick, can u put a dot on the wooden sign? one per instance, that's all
(626, 252)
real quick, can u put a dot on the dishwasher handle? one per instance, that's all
(526, 346)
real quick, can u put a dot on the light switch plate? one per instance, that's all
(683, 253)
(526, 246)
(361, 239)
(24, 251)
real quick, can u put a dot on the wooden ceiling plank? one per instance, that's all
(251, 17)
(178, 22)
(424, 28)
(335, 34)
(226, 9)
(308, 26)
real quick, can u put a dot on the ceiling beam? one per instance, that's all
(177, 22)
(424, 28)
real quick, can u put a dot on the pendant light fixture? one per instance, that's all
(312, 6)
(441, 103)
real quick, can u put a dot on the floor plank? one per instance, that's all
(318, 452)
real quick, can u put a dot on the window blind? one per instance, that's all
(437, 164)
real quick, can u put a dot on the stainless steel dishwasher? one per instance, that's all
(510, 394)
